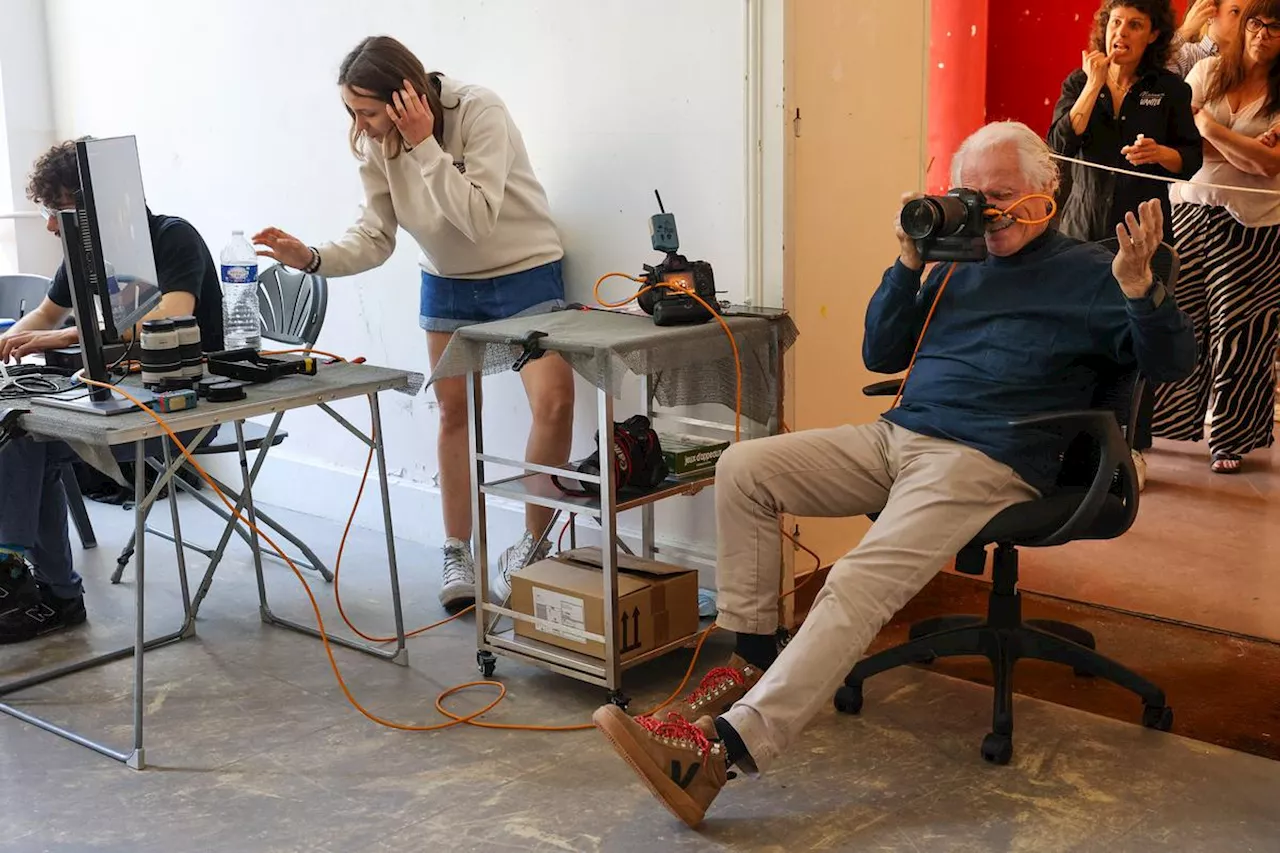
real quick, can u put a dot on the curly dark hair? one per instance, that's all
(55, 174)
(1161, 14)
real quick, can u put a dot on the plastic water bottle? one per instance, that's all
(239, 273)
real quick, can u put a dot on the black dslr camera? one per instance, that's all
(663, 294)
(950, 227)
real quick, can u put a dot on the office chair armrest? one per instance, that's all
(887, 388)
(1102, 428)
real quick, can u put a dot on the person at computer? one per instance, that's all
(445, 161)
(40, 591)
(1029, 330)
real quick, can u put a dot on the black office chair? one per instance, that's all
(291, 311)
(19, 295)
(1097, 498)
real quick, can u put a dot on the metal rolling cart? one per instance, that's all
(677, 367)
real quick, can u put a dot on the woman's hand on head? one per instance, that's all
(282, 247)
(1198, 15)
(411, 115)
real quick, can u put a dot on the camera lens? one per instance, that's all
(921, 218)
(932, 217)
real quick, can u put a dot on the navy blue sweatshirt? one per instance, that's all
(1018, 336)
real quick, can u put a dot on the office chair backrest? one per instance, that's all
(1120, 392)
(21, 294)
(292, 305)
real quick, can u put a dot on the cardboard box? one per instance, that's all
(657, 603)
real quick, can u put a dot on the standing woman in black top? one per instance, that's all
(1124, 109)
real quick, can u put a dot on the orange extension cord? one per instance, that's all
(454, 719)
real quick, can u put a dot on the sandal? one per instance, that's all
(1225, 463)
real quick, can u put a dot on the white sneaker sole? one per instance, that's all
(458, 595)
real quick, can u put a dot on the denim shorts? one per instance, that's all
(448, 304)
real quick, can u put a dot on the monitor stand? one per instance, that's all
(114, 404)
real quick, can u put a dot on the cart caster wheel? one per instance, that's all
(997, 749)
(849, 699)
(1159, 717)
(617, 697)
(486, 662)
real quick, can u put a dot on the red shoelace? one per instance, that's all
(676, 727)
(715, 678)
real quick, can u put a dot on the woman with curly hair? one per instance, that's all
(1123, 108)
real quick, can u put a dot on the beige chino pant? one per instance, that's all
(933, 496)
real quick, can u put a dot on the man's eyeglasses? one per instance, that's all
(1257, 25)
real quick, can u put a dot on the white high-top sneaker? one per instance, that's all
(458, 586)
(513, 560)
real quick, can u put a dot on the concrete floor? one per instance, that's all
(252, 747)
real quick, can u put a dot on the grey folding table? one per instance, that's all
(93, 436)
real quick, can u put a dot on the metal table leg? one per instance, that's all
(310, 563)
(135, 757)
(647, 547)
(608, 549)
(399, 654)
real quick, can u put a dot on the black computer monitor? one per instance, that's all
(110, 266)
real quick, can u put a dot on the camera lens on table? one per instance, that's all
(161, 352)
(189, 346)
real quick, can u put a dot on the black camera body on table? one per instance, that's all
(949, 227)
(666, 298)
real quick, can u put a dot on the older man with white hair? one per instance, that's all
(1029, 329)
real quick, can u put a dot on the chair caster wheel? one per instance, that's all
(997, 749)
(849, 699)
(1082, 673)
(1159, 717)
(486, 662)
(617, 697)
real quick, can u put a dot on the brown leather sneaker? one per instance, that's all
(719, 690)
(679, 761)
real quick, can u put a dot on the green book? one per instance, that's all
(690, 455)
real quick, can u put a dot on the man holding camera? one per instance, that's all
(1027, 330)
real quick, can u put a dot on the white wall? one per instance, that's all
(26, 128)
(239, 125)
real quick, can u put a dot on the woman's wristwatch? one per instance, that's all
(314, 266)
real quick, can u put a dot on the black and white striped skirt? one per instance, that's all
(1230, 286)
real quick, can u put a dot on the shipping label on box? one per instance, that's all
(657, 603)
(563, 614)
